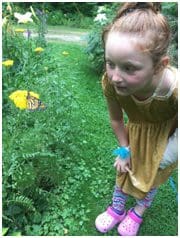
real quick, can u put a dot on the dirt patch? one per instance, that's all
(77, 37)
(82, 39)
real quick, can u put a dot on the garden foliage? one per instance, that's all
(46, 154)
(28, 166)
(73, 14)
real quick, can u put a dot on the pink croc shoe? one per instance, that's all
(108, 219)
(130, 225)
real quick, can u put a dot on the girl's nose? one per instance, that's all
(116, 76)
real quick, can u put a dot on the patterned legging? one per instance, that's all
(120, 198)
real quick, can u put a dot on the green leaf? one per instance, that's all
(4, 230)
(16, 233)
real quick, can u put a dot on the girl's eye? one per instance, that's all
(129, 69)
(110, 64)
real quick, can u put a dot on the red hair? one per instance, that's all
(144, 20)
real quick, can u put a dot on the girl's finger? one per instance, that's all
(115, 164)
(118, 167)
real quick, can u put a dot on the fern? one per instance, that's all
(23, 201)
(38, 154)
(5, 218)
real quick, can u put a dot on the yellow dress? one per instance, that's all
(149, 125)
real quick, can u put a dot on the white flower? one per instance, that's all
(101, 9)
(23, 18)
(101, 17)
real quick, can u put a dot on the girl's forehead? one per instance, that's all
(123, 47)
(125, 43)
(132, 40)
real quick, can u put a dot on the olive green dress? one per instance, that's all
(149, 126)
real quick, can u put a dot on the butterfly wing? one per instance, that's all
(34, 103)
(41, 105)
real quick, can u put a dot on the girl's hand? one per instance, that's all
(121, 165)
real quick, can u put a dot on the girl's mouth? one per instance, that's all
(118, 87)
(121, 90)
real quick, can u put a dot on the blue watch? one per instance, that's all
(123, 152)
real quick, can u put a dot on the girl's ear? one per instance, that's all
(162, 64)
(165, 61)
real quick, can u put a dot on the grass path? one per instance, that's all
(89, 122)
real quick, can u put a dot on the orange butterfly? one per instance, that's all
(34, 103)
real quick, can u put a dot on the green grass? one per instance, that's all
(75, 129)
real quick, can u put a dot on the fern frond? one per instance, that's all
(23, 201)
(39, 155)
(5, 218)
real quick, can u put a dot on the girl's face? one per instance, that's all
(129, 69)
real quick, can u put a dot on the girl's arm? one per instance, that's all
(117, 123)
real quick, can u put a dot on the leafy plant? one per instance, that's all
(94, 47)
(171, 12)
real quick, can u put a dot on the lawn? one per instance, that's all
(62, 156)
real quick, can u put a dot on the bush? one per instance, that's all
(95, 47)
(57, 17)
(171, 12)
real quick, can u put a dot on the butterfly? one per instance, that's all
(34, 103)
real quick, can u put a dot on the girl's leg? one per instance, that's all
(114, 213)
(131, 223)
(145, 203)
(119, 200)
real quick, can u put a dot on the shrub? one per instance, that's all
(94, 47)
(57, 17)
(171, 12)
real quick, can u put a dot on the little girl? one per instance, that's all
(139, 82)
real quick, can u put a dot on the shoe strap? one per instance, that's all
(114, 214)
(134, 217)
